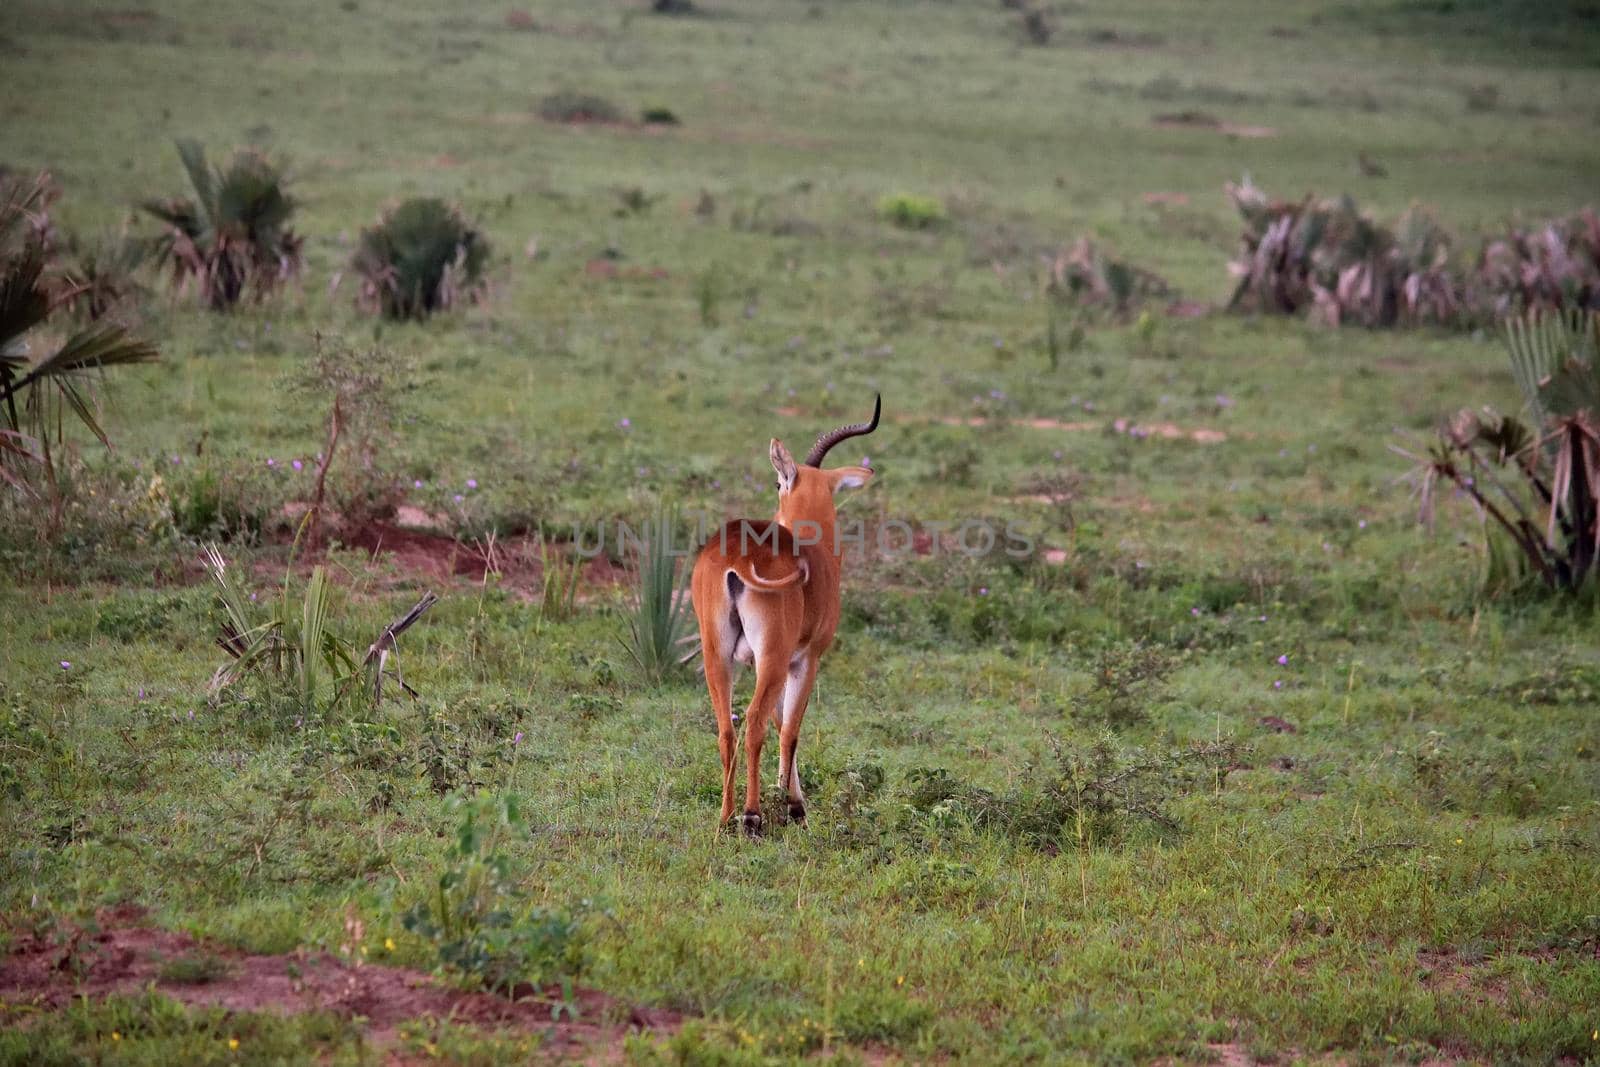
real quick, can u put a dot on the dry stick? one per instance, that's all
(327, 461)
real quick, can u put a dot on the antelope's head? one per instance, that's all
(805, 490)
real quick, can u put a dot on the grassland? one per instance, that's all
(1400, 862)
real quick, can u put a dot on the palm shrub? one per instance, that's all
(102, 273)
(1326, 258)
(1538, 480)
(422, 256)
(659, 615)
(41, 380)
(1556, 265)
(232, 236)
(291, 645)
(1085, 274)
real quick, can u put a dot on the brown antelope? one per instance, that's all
(766, 592)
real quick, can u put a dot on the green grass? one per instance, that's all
(1439, 800)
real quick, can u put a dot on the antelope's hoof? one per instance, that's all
(797, 813)
(751, 821)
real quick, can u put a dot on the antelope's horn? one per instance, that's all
(832, 437)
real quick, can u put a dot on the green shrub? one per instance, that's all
(911, 211)
(478, 920)
(423, 256)
(232, 236)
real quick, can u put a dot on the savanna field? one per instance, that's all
(1239, 763)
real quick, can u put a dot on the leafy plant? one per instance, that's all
(37, 389)
(1538, 481)
(290, 642)
(423, 256)
(485, 932)
(911, 211)
(232, 236)
(658, 617)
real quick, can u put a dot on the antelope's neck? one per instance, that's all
(824, 528)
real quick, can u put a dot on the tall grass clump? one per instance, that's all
(423, 256)
(231, 236)
(659, 614)
(1537, 481)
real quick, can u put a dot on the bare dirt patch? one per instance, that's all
(125, 956)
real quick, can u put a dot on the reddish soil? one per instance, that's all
(126, 957)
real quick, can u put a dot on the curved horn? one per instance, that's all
(833, 437)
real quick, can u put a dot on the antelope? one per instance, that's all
(766, 593)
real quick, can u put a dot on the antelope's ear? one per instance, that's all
(783, 463)
(850, 477)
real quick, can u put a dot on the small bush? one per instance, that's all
(478, 920)
(1037, 26)
(423, 256)
(232, 236)
(568, 106)
(1080, 795)
(659, 116)
(911, 211)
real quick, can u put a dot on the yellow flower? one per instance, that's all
(901, 980)
(116, 1035)
(233, 1043)
(388, 944)
(1460, 840)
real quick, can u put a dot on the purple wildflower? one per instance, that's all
(472, 483)
(517, 740)
(66, 664)
(297, 465)
(459, 498)
(625, 422)
(1277, 685)
(417, 484)
(1283, 660)
(271, 462)
(1195, 612)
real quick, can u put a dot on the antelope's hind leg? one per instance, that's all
(801, 678)
(719, 634)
